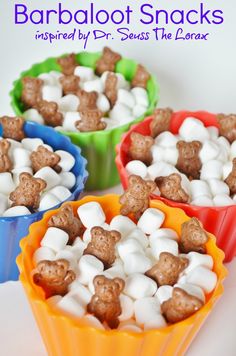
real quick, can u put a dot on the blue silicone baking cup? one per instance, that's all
(13, 229)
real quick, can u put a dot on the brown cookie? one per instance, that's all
(141, 77)
(31, 92)
(193, 237)
(136, 198)
(13, 127)
(227, 126)
(107, 62)
(65, 220)
(161, 121)
(68, 64)
(105, 303)
(54, 277)
(231, 179)
(140, 148)
(44, 158)
(180, 306)
(111, 88)
(170, 188)
(70, 84)
(88, 100)
(5, 161)
(90, 120)
(167, 269)
(28, 191)
(102, 245)
(50, 113)
(189, 162)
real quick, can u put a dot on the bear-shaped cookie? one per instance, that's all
(141, 77)
(231, 179)
(68, 64)
(105, 303)
(13, 127)
(161, 121)
(227, 125)
(193, 237)
(70, 84)
(31, 92)
(107, 62)
(111, 88)
(90, 120)
(50, 113)
(170, 188)
(5, 161)
(140, 148)
(88, 100)
(189, 162)
(44, 158)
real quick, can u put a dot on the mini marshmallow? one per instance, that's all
(67, 161)
(202, 201)
(128, 246)
(227, 169)
(210, 150)
(51, 93)
(198, 259)
(138, 110)
(76, 288)
(89, 266)
(218, 187)
(85, 73)
(56, 75)
(67, 255)
(136, 167)
(123, 224)
(21, 158)
(48, 201)
(163, 244)
(139, 286)
(151, 220)
(157, 322)
(67, 179)
(202, 277)
(17, 171)
(158, 153)
(42, 254)
(163, 232)
(223, 200)
(136, 262)
(69, 120)
(87, 236)
(55, 238)
(223, 155)
(171, 155)
(213, 132)
(79, 244)
(233, 150)
(127, 307)
(33, 115)
(166, 139)
(7, 184)
(192, 290)
(141, 96)
(120, 112)
(160, 169)
(146, 309)
(16, 211)
(199, 188)
(103, 103)
(139, 236)
(193, 129)
(125, 97)
(116, 271)
(50, 176)
(223, 142)
(68, 103)
(93, 85)
(164, 293)
(3, 203)
(122, 82)
(92, 321)
(91, 214)
(48, 79)
(71, 306)
(212, 169)
(31, 144)
(61, 193)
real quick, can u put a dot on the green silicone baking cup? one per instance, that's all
(97, 147)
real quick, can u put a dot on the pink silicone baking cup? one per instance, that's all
(220, 221)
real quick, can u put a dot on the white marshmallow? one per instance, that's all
(163, 232)
(139, 236)
(164, 293)
(42, 254)
(84, 295)
(93, 321)
(203, 278)
(85, 73)
(87, 236)
(157, 322)
(48, 79)
(136, 167)
(103, 103)
(163, 244)
(56, 75)
(166, 139)
(16, 211)
(171, 155)
(158, 153)
(136, 262)
(233, 150)
(91, 214)
(146, 309)
(3, 203)
(222, 200)
(193, 129)
(122, 82)
(67, 179)
(33, 115)
(198, 259)
(123, 224)
(218, 187)
(223, 142)
(48, 201)
(130, 327)
(227, 169)
(151, 220)
(17, 171)
(116, 271)
(138, 110)
(128, 246)
(139, 286)
(50, 176)
(69, 121)
(31, 144)
(160, 169)
(67, 161)
(93, 85)
(69, 256)
(21, 158)
(68, 103)
(202, 201)
(120, 112)
(210, 150)
(88, 267)
(61, 193)
(51, 93)
(223, 155)
(55, 238)
(125, 97)
(141, 96)
(71, 306)
(213, 132)
(79, 243)
(192, 290)
(212, 169)
(199, 188)
(127, 307)
(6, 183)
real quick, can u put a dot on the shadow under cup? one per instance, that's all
(13, 229)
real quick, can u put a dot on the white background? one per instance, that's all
(192, 75)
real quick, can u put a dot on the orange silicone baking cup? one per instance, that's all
(65, 336)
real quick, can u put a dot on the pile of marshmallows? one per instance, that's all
(216, 156)
(137, 251)
(58, 185)
(130, 104)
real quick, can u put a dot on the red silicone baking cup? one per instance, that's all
(220, 221)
